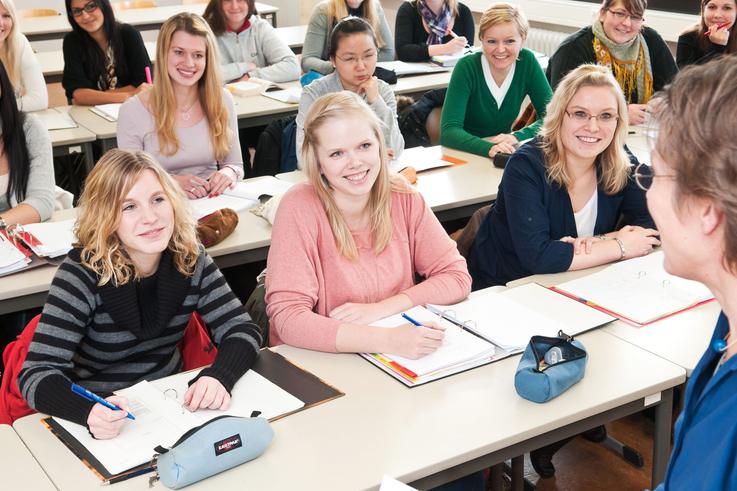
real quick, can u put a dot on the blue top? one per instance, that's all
(705, 446)
(520, 235)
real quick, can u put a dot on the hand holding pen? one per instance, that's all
(458, 43)
(415, 340)
(718, 33)
(107, 415)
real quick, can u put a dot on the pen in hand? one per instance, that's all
(456, 36)
(411, 320)
(91, 396)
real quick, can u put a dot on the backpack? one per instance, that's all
(412, 118)
(268, 156)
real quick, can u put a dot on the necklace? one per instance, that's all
(186, 114)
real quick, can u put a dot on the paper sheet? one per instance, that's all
(55, 238)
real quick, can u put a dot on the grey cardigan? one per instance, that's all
(259, 44)
(41, 185)
(385, 107)
(315, 48)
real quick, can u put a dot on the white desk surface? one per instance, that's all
(18, 467)
(37, 26)
(381, 427)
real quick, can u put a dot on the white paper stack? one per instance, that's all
(422, 158)
(291, 95)
(52, 238)
(244, 195)
(107, 111)
(11, 259)
(53, 119)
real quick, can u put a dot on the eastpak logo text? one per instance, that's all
(228, 444)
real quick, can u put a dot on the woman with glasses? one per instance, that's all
(187, 121)
(563, 193)
(692, 200)
(20, 62)
(711, 37)
(353, 52)
(636, 54)
(487, 89)
(326, 14)
(104, 60)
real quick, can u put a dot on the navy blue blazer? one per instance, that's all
(520, 235)
(705, 444)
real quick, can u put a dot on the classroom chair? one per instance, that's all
(134, 4)
(432, 125)
(28, 13)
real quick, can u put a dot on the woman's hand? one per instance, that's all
(503, 147)
(206, 393)
(581, 244)
(359, 313)
(504, 138)
(369, 89)
(221, 180)
(415, 341)
(455, 45)
(637, 241)
(719, 36)
(637, 113)
(105, 423)
(193, 186)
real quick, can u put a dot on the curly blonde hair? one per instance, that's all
(99, 217)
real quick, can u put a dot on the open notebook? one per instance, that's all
(244, 195)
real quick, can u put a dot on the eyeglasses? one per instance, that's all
(644, 176)
(353, 60)
(605, 118)
(88, 8)
(621, 16)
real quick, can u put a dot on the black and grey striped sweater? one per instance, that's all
(101, 338)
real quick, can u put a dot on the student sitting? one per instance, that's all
(26, 163)
(119, 304)
(487, 89)
(691, 196)
(353, 51)
(20, 62)
(347, 247)
(425, 28)
(249, 46)
(104, 60)
(636, 54)
(711, 37)
(562, 194)
(187, 121)
(316, 49)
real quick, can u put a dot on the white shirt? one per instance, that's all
(586, 216)
(497, 92)
(4, 181)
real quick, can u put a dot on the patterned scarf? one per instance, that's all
(438, 24)
(629, 62)
(108, 79)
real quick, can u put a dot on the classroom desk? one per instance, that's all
(249, 242)
(43, 28)
(72, 140)
(426, 435)
(18, 467)
(680, 339)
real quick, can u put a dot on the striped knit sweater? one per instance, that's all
(94, 335)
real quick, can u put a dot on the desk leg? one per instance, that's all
(497, 477)
(89, 159)
(518, 473)
(661, 438)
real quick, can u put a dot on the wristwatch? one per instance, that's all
(3, 223)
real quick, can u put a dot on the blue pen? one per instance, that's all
(91, 396)
(411, 320)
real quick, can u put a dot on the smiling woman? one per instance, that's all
(187, 120)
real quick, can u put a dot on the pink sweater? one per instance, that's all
(307, 277)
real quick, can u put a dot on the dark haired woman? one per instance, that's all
(104, 60)
(26, 163)
(711, 36)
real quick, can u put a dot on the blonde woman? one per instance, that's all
(119, 304)
(328, 13)
(426, 28)
(347, 246)
(187, 121)
(487, 89)
(562, 194)
(20, 62)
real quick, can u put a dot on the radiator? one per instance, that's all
(544, 41)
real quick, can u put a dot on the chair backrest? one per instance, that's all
(432, 125)
(134, 4)
(27, 13)
(464, 241)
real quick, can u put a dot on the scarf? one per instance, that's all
(438, 24)
(629, 63)
(108, 79)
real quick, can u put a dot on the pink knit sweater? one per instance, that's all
(307, 277)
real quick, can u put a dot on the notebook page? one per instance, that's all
(255, 188)
(107, 111)
(11, 259)
(55, 238)
(204, 206)
(423, 158)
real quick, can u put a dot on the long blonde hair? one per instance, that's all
(338, 10)
(341, 105)
(210, 88)
(9, 52)
(615, 165)
(99, 217)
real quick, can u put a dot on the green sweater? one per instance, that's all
(470, 113)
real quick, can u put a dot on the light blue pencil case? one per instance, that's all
(218, 445)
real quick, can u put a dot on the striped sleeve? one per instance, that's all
(237, 338)
(45, 380)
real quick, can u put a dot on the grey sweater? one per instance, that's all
(40, 189)
(259, 44)
(315, 48)
(385, 107)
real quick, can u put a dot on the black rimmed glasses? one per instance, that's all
(644, 176)
(88, 8)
